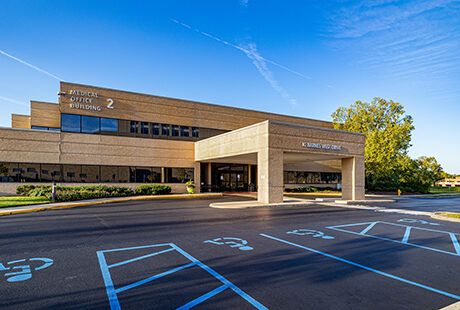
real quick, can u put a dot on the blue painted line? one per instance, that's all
(397, 241)
(139, 258)
(136, 247)
(112, 295)
(135, 284)
(421, 228)
(406, 234)
(202, 298)
(365, 230)
(366, 268)
(455, 243)
(357, 224)
(394, 224)
(248, 298)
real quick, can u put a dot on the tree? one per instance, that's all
(388, 134)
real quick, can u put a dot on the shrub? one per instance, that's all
(153, 189)
(40, 191)
(24, 189)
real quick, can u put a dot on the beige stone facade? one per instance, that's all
(165, 133)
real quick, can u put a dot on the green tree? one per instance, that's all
(388, 134)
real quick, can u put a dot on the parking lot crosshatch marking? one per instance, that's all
(112, 292)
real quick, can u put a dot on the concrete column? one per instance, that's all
(209, 174)
(353, 178)
(270, 176)
(197, 176)
(249, 175)
(163, 177)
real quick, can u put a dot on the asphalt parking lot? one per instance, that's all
(179, 254)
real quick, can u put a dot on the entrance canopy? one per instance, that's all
(272, 144)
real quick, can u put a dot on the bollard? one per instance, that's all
(54, 191)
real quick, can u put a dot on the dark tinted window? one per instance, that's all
(89, 124)
(145, 128)
(70, 122)
(195, 132)
(164, 129)
(155, 129)
(40, 128)
(174, 130)
(184, 131)
(109, 124)
(134, 127)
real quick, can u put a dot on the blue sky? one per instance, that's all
(303, 58)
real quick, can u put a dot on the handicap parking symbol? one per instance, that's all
(239, 243)
(314, 233)
(417, 221)
(24, 271)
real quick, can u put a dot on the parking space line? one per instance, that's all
(365, 230)
(202, 298)
(139, 258)
(365, 267)
(237, 290)
(112, 292)
(405, 238)
(455, 243)
(149, 279)
(406, 234)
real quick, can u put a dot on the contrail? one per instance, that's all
(31, 66)
(13, 101)
(241, 49)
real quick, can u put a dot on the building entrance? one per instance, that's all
(230, 177)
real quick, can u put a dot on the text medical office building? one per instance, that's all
(100, 135)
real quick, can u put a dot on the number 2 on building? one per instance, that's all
(109, 103)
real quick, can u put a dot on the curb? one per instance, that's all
(82, 204)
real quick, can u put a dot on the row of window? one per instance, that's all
(46, 128)
(110, 126)
(301, 177)
(20, 172)
(88, 124)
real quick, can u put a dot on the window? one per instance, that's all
(144, 128)
(178, 175)
(174, 130)
(70, 122)
(134, 127)
(109, 125)
(89, 124)
(40, 128)
(109, 174)
(155, 129)
(71, 173)
(164, 129)
(184, 131)
(195, 132)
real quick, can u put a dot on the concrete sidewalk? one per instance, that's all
(81, 203)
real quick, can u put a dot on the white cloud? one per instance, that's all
(13, 101)
(30, 65)
(261, 65)
(258, 60)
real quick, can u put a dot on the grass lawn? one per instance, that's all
(13, 201)
(443, 190)
(454, 215)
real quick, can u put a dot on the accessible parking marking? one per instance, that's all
(366, 227)
(112, 292)
(363, 267)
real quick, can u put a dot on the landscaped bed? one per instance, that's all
(68, 193)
